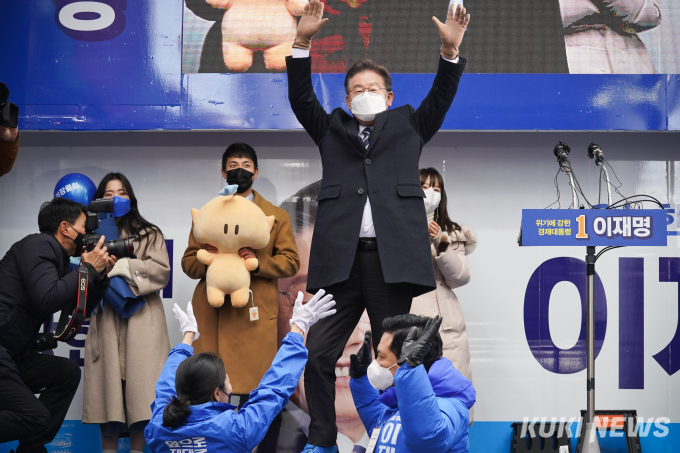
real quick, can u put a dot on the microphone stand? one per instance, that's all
(568, 171)
(609, 190)
(590, 441)
(595, 152)
(561, 151)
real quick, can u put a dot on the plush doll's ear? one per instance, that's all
(270, 221)
(194, 214)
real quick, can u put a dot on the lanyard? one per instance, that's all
(375, 435)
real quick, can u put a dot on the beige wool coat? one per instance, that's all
(451, 270)
(133, 350)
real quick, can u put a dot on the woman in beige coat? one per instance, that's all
(450, 243)
(125, 356)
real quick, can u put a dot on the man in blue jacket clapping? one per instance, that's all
(410, 398)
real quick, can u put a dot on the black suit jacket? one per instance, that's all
(387, 173)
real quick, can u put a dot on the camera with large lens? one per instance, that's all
(120, 248)
(9, 113)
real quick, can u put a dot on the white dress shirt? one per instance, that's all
(367, 228)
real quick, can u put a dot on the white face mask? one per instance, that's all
(379, 377)
(431, 200)
(366, 105)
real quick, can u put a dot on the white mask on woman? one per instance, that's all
(367, 105)
(432, 200)
(379, 377)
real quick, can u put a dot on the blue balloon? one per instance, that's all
(76, 187)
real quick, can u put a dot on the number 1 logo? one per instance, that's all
(581, 220)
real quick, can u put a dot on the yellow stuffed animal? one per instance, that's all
(258, 25)
(229, 223)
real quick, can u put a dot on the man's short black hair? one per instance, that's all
(366, 64)
(52, 213)
(400, 325)
(239, 149)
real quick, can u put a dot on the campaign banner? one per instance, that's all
(199, 64)
(594, 227)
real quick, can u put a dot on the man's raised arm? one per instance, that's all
(430, 115)
(303, 101)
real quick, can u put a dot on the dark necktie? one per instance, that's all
(366, 136)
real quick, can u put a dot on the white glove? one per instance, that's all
(187, 321)
(305, 316)
(122, 269)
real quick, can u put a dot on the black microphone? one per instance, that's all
(594, 151)
(561, 151)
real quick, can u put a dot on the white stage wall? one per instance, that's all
(490, 177)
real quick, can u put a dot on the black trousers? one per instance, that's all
(36, 421)
(364, 289)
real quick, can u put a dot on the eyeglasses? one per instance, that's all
(372, 90)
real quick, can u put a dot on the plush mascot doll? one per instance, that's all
(249, 26)
(229, 223)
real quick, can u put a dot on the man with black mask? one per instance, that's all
(228, 331)
(36, 283)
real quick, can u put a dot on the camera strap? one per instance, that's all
(69, 323)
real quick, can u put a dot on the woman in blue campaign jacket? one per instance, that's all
(420, 406)
(192, 413)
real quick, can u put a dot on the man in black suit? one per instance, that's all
(370, 247)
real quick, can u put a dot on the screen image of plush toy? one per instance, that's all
(249, 26)
(229, 223)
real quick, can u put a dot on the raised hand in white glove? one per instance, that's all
(305, 316)
(187, 321)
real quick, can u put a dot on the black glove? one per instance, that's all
(413, 350)
(359, 362)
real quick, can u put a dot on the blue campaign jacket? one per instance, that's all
(423, 412)
(215, 427)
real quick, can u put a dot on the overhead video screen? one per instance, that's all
(521, 36)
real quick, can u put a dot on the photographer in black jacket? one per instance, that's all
(35, 283)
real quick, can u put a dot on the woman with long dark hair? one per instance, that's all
(450, 245)
(126, 347)
(192, 409)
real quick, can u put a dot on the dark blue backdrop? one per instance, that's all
(128, 77)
